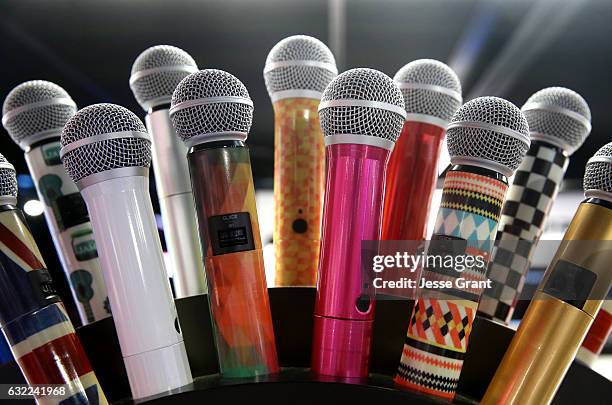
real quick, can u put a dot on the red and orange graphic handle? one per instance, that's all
(229, 230)
(299, 185)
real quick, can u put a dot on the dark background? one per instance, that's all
(498, 47)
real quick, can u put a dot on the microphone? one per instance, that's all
(565, 304)
(212, 113)
(559, 121)
(34, 114)
(432, 94)
(155, 74)
(297, 70)
(597, 336)
(361, 113)
(106, 151)
(32, 316)
(487, 140)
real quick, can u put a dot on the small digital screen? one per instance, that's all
(233, 237)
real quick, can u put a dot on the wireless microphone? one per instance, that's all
(362, 113)
(297, 71)
(598, 335)
(107, 153)
(487, 140)
(559, 121)
(34, 114)
(155, 74)
(212, 113)
(566, 301)
(432, 94)
(32, 316)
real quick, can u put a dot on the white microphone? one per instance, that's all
(155, 74)
(107, 153)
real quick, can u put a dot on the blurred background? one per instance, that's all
(505, 48)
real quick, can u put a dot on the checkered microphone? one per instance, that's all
(559, 121)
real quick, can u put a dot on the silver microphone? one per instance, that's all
(155, 74)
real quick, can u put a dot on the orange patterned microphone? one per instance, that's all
(297, 70)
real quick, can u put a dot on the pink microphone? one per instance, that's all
(361, 114)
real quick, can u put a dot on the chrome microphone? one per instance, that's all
(566, 302)
(487, 140)
(559, 121)
(432, 94)
(34, 114)
(107, 153)
(212, 113)
(297, 70)
(155, 74)
(361, 113)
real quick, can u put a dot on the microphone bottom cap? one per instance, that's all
(158, 370)
(341, 347)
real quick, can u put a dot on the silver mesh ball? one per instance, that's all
(25, 124)
(99, 119)
(296, 49)
(365, 85)
(215, 117)
(157, 71)
(8, 179)
(598, 173)
(547, 119)
(465, 142)
(429, 101)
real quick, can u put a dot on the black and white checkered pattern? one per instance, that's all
(527, 205)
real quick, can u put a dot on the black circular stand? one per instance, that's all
(292, 313)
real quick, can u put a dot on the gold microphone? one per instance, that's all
(566, 301)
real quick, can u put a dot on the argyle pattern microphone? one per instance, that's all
(432, 94)
(212, 113)
(297, 70)
(487, 139)
(32, 316)
(155, 74)
(566, 302)
(362, 113)
(559, 121)
(34, 114)
(106, 151)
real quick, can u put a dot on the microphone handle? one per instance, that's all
(560, 313)
(231, 241)
(441, 322)
(352, 213)
(133, 267)
(34, 320)
(299, 184)
(176, 203)
(529, 201)
(598, 335)
(68, 222)
(411, 181)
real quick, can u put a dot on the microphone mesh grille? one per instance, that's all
(99, 119)
(598, 175)
(299, 48)
(556, 124)
(425, 101)
(8, 180)
(158, 86)
(214, 117)
(365, 85)
(488, 144)
(38, 119)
